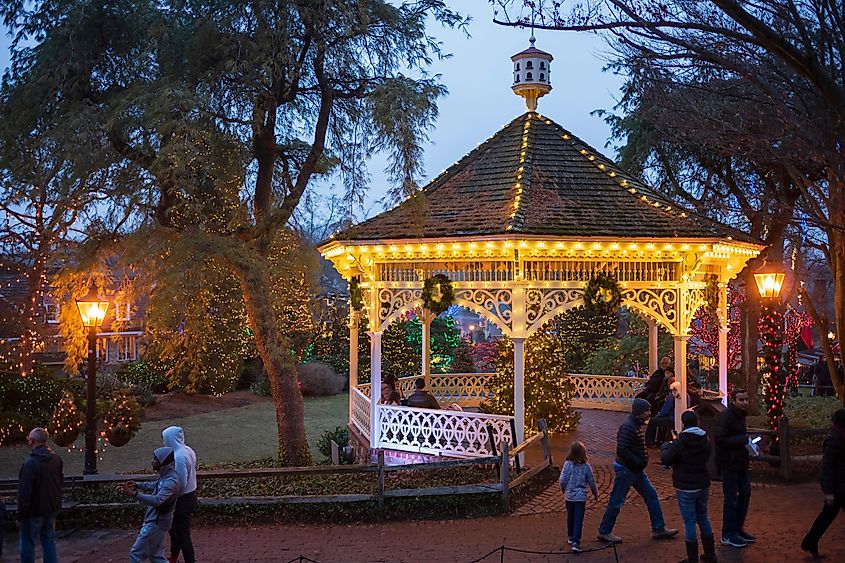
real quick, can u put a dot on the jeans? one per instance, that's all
(575, 519)
(823, 522)
(38, 528)
(736, 485)
(149, 545)
(655, 423)
(693, 509)
(625, 479)
(180, 531)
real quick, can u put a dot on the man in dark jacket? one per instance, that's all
(832, 482)
(732, 460)
(688, 456)
(39, 498)
(655, 382)
(421, 398)
(631, 460)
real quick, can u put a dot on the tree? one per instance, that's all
(230, 110)
(784, 58)
(548, 390)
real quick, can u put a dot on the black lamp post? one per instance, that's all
(92, 311)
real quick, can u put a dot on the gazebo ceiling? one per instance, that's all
(534, 178)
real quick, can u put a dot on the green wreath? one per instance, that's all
(602, 295)
(438, 294)
(356, 294)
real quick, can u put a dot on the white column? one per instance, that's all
(519, 388)
(375, 386)
(724, 328)
(426, 319)
(353, 357)
(681, 376)
(652, 346)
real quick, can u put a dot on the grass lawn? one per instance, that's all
(238, 434)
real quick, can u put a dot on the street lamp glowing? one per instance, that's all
(92, 309)
(769, 281)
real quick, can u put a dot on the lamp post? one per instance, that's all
(92, 311)
(769, 280)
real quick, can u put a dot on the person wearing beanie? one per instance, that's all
(185, 460)
(688, 456)
(629, 468)
(832, 482)
(160, 499)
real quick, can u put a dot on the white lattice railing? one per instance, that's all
(361, 412)
(466, 389)
(605, 392)
(441, 432)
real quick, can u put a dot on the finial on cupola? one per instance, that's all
(532, 74)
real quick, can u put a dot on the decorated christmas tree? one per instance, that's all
(548, 390)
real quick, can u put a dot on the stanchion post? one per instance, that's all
(504, 477)
(784, 448)
(380, 482)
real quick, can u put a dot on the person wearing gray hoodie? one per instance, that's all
(186, 470)
(160, 499)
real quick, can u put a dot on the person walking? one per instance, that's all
(39, 498)
(688, 455)
(575, 477)
(832, 482)
(630, 464)
(732, 461)
(185, 461)
(160, 499)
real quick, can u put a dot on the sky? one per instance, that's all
(480, 101)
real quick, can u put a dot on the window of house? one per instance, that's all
(126, 349)
(103, 350)
(528, 76)
(529, 64)
(123, 311)
(51, 312)
(517, 66)
(516, 78)
(542, 64)
(542, 77)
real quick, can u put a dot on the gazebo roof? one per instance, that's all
(534, 177)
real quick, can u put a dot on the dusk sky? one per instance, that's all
(478, 77)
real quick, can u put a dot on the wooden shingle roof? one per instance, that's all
(534, 177)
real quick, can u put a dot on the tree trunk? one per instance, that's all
(275, 351)
(837, 259)
(750, 336)
(29, 313)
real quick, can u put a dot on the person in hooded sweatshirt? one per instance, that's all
(629, 467)
(186, 470)
(39, 498)
(160, 499)
(688, 455)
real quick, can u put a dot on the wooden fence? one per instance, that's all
(501, 462)
(784, 435)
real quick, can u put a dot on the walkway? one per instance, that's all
(779, 517)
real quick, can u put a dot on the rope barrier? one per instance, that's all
(502, 549)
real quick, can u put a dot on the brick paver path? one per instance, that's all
(779, 517)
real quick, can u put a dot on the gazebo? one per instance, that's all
(520, 225)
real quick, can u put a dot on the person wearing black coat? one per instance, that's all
(631, 461)
(732, 461)
(832, 482)
(655, 382)
(688, 455)
(39, 498)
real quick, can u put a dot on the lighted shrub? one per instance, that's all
(319, 380)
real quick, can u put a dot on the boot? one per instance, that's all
(692, 552)
(709, 545)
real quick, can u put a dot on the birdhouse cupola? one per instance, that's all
(532, 74)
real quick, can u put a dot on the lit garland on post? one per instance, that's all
(770, 326)
(795, 322)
